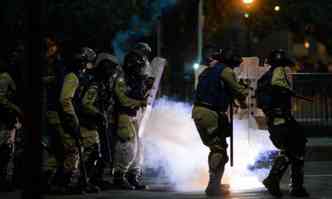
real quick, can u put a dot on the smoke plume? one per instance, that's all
(173, 147)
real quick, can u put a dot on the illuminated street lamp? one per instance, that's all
(277, 8)
(248, 2)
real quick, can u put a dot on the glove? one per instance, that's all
(244, 82)
(149, 82)
(143, 103)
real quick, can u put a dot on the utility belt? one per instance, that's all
(273, 113)
(89, 123)
(209, 106)
(128, 111)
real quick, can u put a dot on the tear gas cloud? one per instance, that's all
(173, 145)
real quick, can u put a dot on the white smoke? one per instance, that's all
(173, 144)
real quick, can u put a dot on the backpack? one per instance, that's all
(263, 91)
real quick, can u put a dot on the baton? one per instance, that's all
(231, 136)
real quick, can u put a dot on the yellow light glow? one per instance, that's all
(277, 8)
(306, 44)
(246, 15)
(248, 1)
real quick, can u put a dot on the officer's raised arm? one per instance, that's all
(239, 91)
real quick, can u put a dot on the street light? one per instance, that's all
(277, 8)
(248, 2)
(247, 16)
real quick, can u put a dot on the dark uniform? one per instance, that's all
(53, 137)
(9, 114)
(285, 133)
(217, 86)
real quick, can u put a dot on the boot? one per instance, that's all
(214, 187)
(277, 171)
(47, 177)
(121, 182)
(87, 187)
(91, 169)
(97, 178)
(101, 183)
(5, 156)
(296, 182)
(62, 185)
(5, 184)
(135, 179)
(216, 170)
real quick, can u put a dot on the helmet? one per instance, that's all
(134, 64)
(279, 57)
(228, 57)
(86, 54)
(108, 57)
(143, 49)
(209, 53)
(106, 65)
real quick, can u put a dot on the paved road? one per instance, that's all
(318, 180)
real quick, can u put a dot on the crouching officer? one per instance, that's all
(285, 133)
(216, 88)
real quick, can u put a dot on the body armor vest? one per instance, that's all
(211, 90)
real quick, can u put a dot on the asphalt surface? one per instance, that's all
(318, 181)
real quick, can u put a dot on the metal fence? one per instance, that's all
(316, 116)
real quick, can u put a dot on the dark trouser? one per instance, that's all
(288, 137)
(6, 152)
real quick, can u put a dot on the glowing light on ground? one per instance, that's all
(173, 143)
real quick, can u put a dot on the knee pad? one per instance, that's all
(280, 163)
(217, 159)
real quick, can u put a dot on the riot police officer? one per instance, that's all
(71, 94)
(145, 51)
(216, 89)
(285, 133)
(52, 138)
(97, 112)
(131, 93)
(9, 114)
